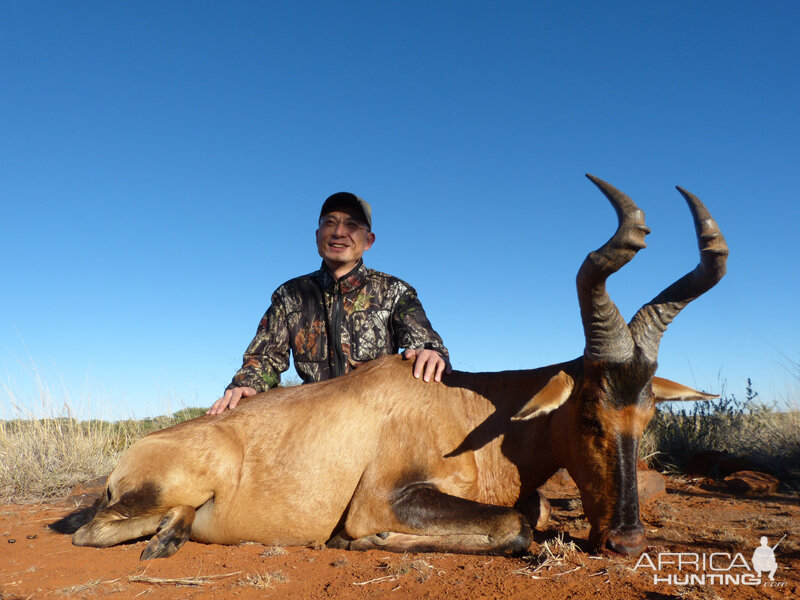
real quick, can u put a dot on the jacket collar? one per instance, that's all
(352, 281)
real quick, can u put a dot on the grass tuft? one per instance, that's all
(263, 581)
(555, 558)
(274, 551)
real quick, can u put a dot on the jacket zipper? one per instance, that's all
(337, 319)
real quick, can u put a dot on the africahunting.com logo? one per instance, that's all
(716, 568)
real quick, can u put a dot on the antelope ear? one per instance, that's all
(549, 398)
(665, 390)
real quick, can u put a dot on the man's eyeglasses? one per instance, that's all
(351, 225)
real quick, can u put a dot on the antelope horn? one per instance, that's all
(607, 335)
(650, 322)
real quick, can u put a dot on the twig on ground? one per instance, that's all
(377, 580)
(186, 581)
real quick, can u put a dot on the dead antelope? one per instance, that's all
(378, 459)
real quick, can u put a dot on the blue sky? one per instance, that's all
(162, 167)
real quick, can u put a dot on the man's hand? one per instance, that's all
(230, 399)
(428, 363)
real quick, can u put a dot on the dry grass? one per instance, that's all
(81, 589)
(43, 457)
(274, 551)
(262, 581)
(420, 569)
(181, 581)
(405, 565)
(555, 558)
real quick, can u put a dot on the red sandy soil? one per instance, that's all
(693, 517)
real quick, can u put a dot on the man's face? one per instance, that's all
(342, 239)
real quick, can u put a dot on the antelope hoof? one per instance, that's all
(162, 546)
(172, 533)
(340, 541)
(627, 540)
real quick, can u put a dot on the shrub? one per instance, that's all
(769, 437)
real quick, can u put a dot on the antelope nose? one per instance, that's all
(627, 540)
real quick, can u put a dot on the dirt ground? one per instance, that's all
(696, 523)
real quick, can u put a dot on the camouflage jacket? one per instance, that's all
(333, 326)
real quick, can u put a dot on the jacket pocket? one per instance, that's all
(371, 335)
(309, 338)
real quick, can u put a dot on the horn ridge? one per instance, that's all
(607, 335)
(648, 325)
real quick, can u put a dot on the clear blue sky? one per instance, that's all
(162, 165)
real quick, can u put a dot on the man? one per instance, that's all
(338, 317)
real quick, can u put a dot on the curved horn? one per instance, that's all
(650, 322)
(607, 334)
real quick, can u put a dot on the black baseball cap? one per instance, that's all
(347, 200)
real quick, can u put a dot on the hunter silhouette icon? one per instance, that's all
(764, 558)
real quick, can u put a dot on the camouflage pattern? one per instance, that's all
(332, 326)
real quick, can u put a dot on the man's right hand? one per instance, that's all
(230, 399)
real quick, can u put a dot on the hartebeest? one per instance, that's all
(378, 459)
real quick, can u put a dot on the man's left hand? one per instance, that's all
(427, 364)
